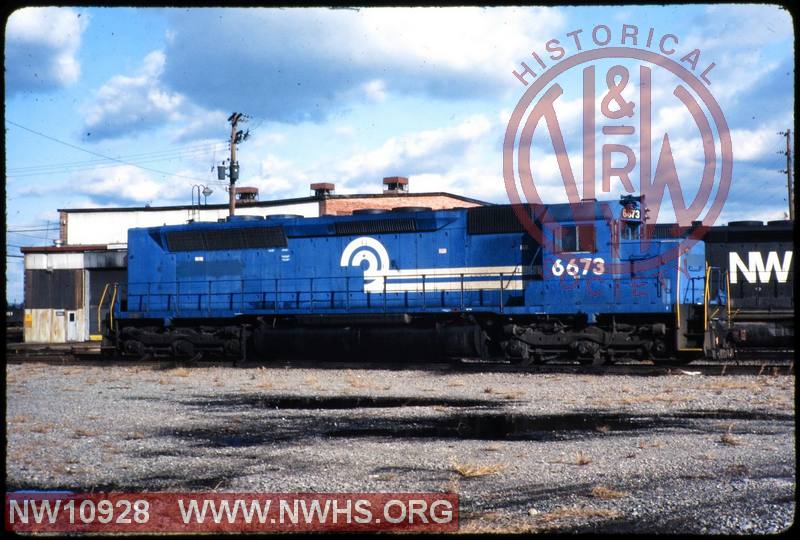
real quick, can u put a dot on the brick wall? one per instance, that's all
(342, 207)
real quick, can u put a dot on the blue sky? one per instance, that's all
(346, 96)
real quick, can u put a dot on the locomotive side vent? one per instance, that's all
(215, 240)
(376, 226)
(185, 241)
(493, 219)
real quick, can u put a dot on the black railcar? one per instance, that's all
(757, 261)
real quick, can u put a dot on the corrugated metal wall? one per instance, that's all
(53, 289)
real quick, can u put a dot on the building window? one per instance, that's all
(573, 238)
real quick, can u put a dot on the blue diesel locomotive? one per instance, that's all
(422, 284)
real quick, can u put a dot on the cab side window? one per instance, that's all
(574, 238)
(629, 230)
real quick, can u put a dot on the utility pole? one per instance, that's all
(789, 179)
(233, 173)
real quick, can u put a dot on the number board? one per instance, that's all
(631, 213)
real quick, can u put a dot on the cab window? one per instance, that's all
(576, 238)
(629, 229)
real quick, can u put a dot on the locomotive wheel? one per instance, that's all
(232, 347)
(588, 352)
(133, 347)
(183, 348)
(524, 362)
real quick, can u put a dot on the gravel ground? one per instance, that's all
(579, 453)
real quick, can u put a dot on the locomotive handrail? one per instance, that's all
(200, 295)
(281, 293)
(111, 310)
(728, 299)
(705, 297)
(100, 307)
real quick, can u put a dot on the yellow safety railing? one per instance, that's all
(99, 335)
(728, 295)
(705, 297)
(678, 295)
(111, 307)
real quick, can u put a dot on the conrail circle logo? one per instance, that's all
(612, 104)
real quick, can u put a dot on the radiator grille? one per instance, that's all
(494, 219)
(376, 226)
(215, 240)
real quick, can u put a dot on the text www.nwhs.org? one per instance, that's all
(163, 512)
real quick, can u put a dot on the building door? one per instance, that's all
(72, 326)
(58, 326)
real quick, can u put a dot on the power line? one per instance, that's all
(67, 170)
(104, 156)
(176, 150)
(99, 164)
(41, 238)
(41, 223)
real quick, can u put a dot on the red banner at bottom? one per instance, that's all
(229, 512)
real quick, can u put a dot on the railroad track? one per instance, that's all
(772, 366)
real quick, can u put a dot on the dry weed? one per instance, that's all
(729, 439)
(476, 527)
(452, 486)
(507, 394)
(180, 372)
(600, 492)
(43, 428)
(472, 470)
(575, 513)
(356, 381)
(580, 459)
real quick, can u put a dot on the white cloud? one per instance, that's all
(124, 102)
(127, 184)
(445, 159)
(752, 145)
(345, 131)
(417, 152)
(41, 48)
(445, 53)
(194, 123)
(375, 90)
(469, 41)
